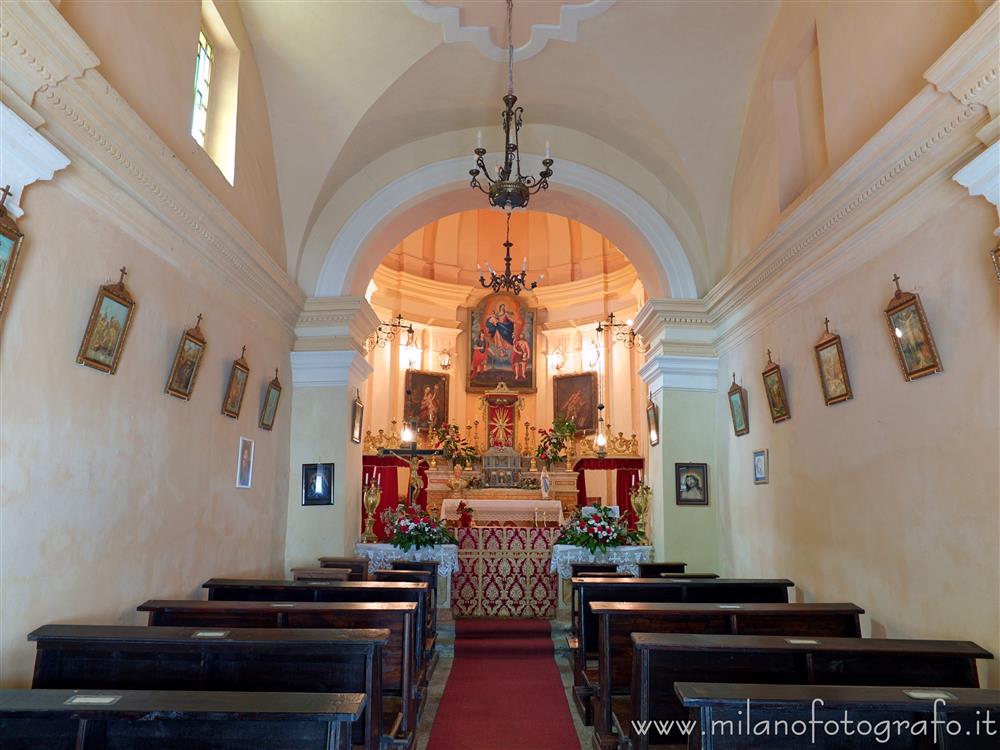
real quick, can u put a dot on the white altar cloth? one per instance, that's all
(522, 511)
(626, 558)
(381, 556)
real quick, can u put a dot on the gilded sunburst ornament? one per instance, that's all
(503, 426)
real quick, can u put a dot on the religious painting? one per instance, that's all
(691, 484)
(187, 362)
(426, 406)
(833, 368)
(995, 255)
(10, 252)
(104, 339)
(270, 408)
(575, 398)
(239, 374)
(502, 345)
(357, 418)
(760, 467)
(738, 408)
(244, 464)
(774, 387)
(317, 484)
(653, 422)
(911, 336)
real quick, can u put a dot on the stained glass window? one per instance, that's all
(202, 81)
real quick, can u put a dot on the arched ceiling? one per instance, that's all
(660, 84)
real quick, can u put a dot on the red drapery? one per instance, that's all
(628, 473)
(385, 469)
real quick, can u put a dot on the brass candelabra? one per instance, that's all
(640, 496)
(370, 496)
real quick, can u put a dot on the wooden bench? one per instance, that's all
(398, 678)
(430, 611)
(688, 576)
(265, 590)
(661, 660)
(579, 571)
(722, 709)
(428, 566)
(321, 574)
(653, 570)
(719, 590)
(239, 659)
(357, 565)
(145, 719)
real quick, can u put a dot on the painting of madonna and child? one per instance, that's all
(502, 342)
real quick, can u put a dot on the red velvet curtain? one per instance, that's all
(385, 469)
(628, 472)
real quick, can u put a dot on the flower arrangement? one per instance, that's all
(597, 531)
(553, 442)
(464, 514)
(412, 528)
(453, 446)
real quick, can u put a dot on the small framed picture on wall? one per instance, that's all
(317, 484)
(357, 418)
(653, 422)
(760, 467)
(244, 464)
(691, 484)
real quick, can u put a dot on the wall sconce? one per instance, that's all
(623, 333)
(591, 355)
(556, 360)
(444, 359)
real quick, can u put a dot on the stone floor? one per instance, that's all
(446, 654)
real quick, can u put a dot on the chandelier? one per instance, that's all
(386, 332)
(510, 282)
(623, 333)
(508, 188)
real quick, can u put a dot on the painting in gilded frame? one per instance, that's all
(833, 375)
(911, 336)
(107, 329)
(426, 405)
(10, 252)
(653, 422)
(575, 398)
(236, 387)
(187, 363)
(357, 418)
(738, 408)
(774, 388)
(269, 410)
(501, 345)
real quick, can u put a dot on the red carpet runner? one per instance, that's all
(504, 691)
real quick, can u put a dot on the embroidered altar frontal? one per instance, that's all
(504, 572)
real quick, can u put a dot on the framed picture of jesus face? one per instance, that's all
(232, 402)
(501, 345)
(187, 363)
(833, 375)
(911, 336)
(110, 318)
(691, 484)
(426, 406)
(574, 398)
(10, 252)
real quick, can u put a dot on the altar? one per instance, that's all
(522, 512)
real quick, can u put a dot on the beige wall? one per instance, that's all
(889, 500)
(147, 52)
(114, 492)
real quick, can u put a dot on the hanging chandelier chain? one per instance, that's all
(514, 283)
(510, 47)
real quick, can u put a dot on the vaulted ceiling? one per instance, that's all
(362, 93)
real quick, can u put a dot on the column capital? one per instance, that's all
(674, 372)
(327, 369)
(676, 327)
(334, 324)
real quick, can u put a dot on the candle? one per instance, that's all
(379, 479)
(479, 139)
(548, 150)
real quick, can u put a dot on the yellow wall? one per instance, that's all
(114, 492)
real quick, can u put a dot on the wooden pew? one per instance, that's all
(428, 566)
(653, 570)
(357, 565)
(245, 659)
(398, 677)
(144, 719)
(582, 570)
(661, 660)
(687, 576)
(430, 611)
(718, 590)
(321, 574)
(617, 621)
(265, 590)
(713, 703)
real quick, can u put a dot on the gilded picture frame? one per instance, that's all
(269, 409)
(653, 422)
(774, 389)
(426, 403)
(911, 336)
(575, 397)
(107, 329)
(737, 397)
(834, 379)
(11, 240)
(691, 484)
(236, 387)
(187, 363)
(357, 418)
(501, 345)
(995, 255)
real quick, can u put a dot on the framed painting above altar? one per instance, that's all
(501, 345)
(575, 399)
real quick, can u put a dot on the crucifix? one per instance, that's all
(121, 279)
(769, 361)
(244, 352)
(826, 322)
(5, 193)
(896, 277)
(197, 323)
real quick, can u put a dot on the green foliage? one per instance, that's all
(413, 529)
(598, 531)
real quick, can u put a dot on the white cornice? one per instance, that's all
(680, 373)
(329, 369)
(981, 176)
(25, 157)
(449, 17)
(343, 323)
(123, 169)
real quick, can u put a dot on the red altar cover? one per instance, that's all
(504, 572)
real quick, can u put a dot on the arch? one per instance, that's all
(441, 188)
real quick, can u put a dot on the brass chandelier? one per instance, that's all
(508, 188)
(509, 282)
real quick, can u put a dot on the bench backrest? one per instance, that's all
(357, 565)
(653, 570)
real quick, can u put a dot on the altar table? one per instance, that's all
(504, 572)
(626, 558)
(525, 512)
(381, 556)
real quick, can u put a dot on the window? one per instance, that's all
(202, 88)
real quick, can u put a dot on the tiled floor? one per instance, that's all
(446, 652)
